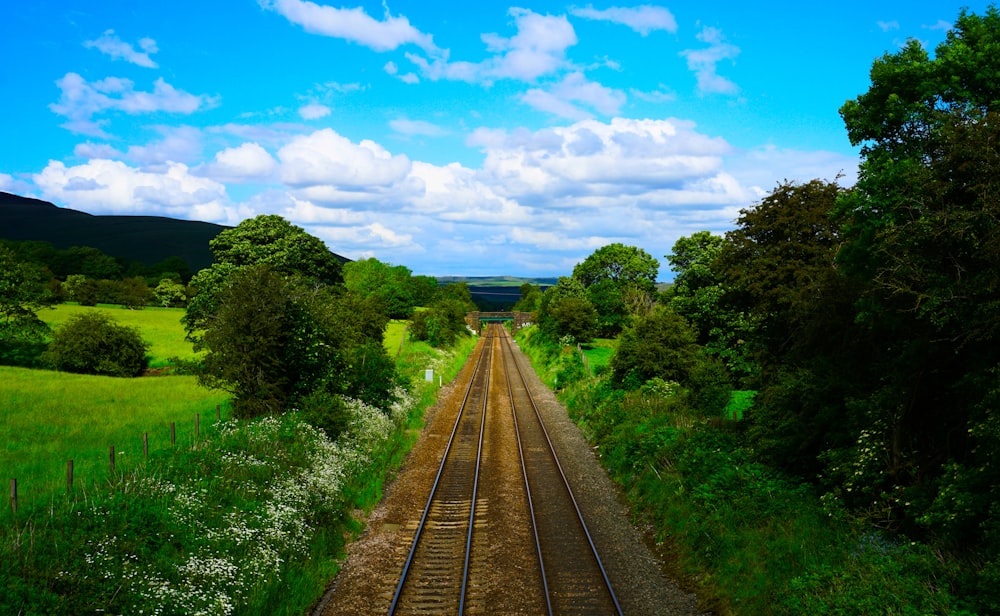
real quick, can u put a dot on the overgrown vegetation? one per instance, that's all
(859, 323)
(95, 344)
(249, 521)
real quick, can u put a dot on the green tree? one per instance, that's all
(697, 294)
(266, 239)
(663, 345)
(778, 268)
(93, 343)
(621, 283)
(23, 292)
(248, 339)
(388, 284)
(921, 235)
(441, 324)
(573, 317)
(531, 298)
(288, 249)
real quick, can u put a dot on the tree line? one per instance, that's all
(865, 318)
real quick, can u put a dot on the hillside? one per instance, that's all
(148, 239)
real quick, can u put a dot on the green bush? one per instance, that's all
(93, 343)
(325, 411)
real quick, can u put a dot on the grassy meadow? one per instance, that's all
(160, 327)
(47, 418)
(252, 520)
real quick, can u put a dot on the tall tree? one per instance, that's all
(620, 281)
(388, 284)
(23, 291)
(922, 231)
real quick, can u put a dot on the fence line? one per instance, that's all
(111, 456)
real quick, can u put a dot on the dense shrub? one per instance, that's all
(441, 324)
(93, 343)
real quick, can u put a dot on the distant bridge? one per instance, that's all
(475, 320)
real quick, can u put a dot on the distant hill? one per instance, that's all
(148, 239)
(496, 292)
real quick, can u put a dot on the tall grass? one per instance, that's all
(250, 520)
(47, 418)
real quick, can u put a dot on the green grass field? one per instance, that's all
(599, 352)
(161, 327)
(394, 334)
(47, 418)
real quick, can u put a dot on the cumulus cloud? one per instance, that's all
(80, 101)
(6, 181)
(703, 62)
(326, 159)
(575, 88)
(887, 26)
(643, 19)
(112, 46)
(590, 163)
(352, 25)
(111, 187)
(247, 162)
(537, 49)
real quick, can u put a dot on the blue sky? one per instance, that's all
(454, 138)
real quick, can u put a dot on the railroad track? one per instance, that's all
(501, 533)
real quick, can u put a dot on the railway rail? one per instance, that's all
(479, 512)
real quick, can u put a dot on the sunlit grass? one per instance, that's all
(47, 418)
(160, 327)
(394, 333)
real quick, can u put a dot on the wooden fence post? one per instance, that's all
(197, 425)
(173, 434)
(111, 457)
(69, 477)
(218, 412)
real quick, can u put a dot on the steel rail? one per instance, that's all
(576, 507)
(527, 486)
(487, 343)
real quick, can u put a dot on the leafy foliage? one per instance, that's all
(391, 285)
(22, 293)
(620, 282)
(93, 343)
(441, 324)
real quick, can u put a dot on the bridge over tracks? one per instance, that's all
(476, 320)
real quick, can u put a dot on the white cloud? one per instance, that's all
(662, 94)
(6, 181)
(941, 24)
(112, 187)
(314, 111)
(423, 128)
(591, 163)
(643, 19)
(247, 162)
(887, 26)
(537, 49)
(703, 62)
(325, 158)
(110, 45)
(352, 25)
(80, 101)
(575, 88)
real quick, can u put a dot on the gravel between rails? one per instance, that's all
(369, 574)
